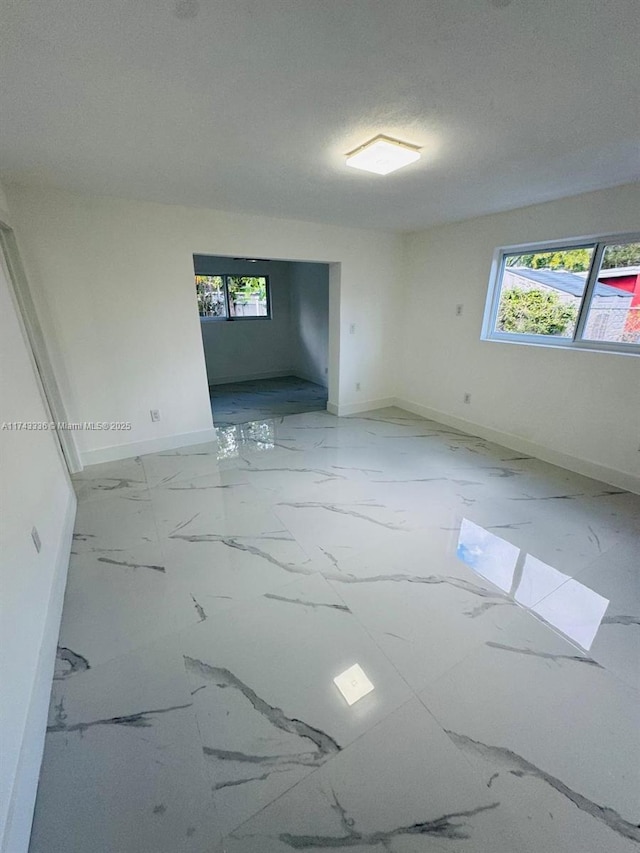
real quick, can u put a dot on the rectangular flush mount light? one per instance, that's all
(383, 155)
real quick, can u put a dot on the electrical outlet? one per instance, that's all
(352, 329)
(36, 539)
(458, 310)
(155, 415)
(467, 398)
(357, 386)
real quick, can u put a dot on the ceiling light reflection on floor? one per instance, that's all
(353, 684)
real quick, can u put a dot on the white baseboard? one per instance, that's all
(620, 479)
(356, 408)
(251, 377)
(151, 445)
(270, 374)
(25, 784)
(309, 377)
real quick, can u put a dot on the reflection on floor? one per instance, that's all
(240, 402)
(219, 597)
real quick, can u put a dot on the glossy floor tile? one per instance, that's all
(240, 402)
(217, 593)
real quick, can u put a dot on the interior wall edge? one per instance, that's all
(23, 793)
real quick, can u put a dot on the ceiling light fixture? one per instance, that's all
(383, 155)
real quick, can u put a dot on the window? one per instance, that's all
(581, 295)
(211, 296)
(233, 297)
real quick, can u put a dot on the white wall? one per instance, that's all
(4, 207)
(115, 279)
(34, 490)
(238, 350)
(572, 407)
(295, 341)
(310, 320)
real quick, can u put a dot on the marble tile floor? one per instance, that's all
(243, 402)
(215, 592)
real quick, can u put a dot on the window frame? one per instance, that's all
(225, 287)
(577, 342)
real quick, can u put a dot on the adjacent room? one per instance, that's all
(265, 334)
(320, 426)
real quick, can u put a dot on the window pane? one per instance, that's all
(614, 313)
(541, 292)
(210, 293)
(248, 296)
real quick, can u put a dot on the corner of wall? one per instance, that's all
(357, 408)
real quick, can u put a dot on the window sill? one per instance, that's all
(233, 319)
(631, 349)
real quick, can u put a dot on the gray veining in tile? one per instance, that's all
(216, 591)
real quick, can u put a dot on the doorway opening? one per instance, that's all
(265, 335)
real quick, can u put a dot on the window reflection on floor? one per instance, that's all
(565, 604)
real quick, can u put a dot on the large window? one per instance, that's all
(581, 295)
(233, 297)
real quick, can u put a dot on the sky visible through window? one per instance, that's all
(542, 294)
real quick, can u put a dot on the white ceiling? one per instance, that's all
(250, 105)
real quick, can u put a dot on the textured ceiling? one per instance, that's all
(250, 105)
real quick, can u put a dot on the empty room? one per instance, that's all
(265, 335)
(319, 426)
